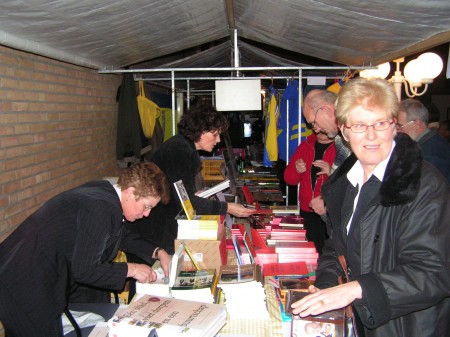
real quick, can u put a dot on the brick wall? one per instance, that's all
(57, 130)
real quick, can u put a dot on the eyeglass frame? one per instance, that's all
(399, 126)
(315, 118)
(147, 207)
(371, 125)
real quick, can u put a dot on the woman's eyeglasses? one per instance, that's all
(378, 126)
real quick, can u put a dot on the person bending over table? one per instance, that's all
(199, 129)
(70, 242)
(396, 238)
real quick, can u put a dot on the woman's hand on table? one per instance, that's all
(323, 300)
(238, 210)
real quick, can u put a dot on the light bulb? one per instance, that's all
(430, 66)
(364, 73)
(412, 73)
(383, 70)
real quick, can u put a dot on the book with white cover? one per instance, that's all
(170, 317)
(200, 227)
(215, 189)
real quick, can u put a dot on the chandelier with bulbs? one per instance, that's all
(417, 72)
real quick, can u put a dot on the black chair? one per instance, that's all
(73, 322)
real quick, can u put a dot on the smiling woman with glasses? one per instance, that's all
(388, 212)
(378, 126)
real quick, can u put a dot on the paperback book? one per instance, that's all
(195, 285)
(200, 227)
(170, 317)
(184, 199)
(215, 189)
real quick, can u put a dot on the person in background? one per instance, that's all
(444, 130)
(434, 116)
(413, 120)
(71, 241)
(320, 113)
(310, 166)
(199, 129)
(389, 212)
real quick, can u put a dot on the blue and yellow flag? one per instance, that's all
(288, 134)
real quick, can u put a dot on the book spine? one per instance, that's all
(191, 257)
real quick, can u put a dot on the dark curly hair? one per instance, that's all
(199, 119)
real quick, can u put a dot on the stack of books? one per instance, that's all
(201, 227)
(289, 221)
(236, 230)
(243, 291)
(286, 235)
(297, 251)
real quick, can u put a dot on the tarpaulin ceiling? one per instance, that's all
(113, 34)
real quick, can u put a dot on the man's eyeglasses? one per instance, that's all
(315, 117)
(147, 207)
(400, 126)
(378, 126)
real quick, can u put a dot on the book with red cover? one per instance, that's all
(294, 221)
(297, 247)
(283, 269)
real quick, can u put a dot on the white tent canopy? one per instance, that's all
(114, 34)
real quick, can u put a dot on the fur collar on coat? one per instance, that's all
(401, 180)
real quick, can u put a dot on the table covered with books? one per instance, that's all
(207, 247)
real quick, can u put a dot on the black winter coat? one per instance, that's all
(179, 160)
(405, 254)
(70, 241)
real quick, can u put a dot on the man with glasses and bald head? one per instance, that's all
(320, 114)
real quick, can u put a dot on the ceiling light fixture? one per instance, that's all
(381, 71)
(422, 70)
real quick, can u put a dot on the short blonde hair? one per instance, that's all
(370, 93)
(148, 181)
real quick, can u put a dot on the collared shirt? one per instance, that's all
(356, 177)
(118, 190)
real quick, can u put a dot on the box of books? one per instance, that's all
(207, 253)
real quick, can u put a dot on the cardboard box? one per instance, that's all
(207, 253)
